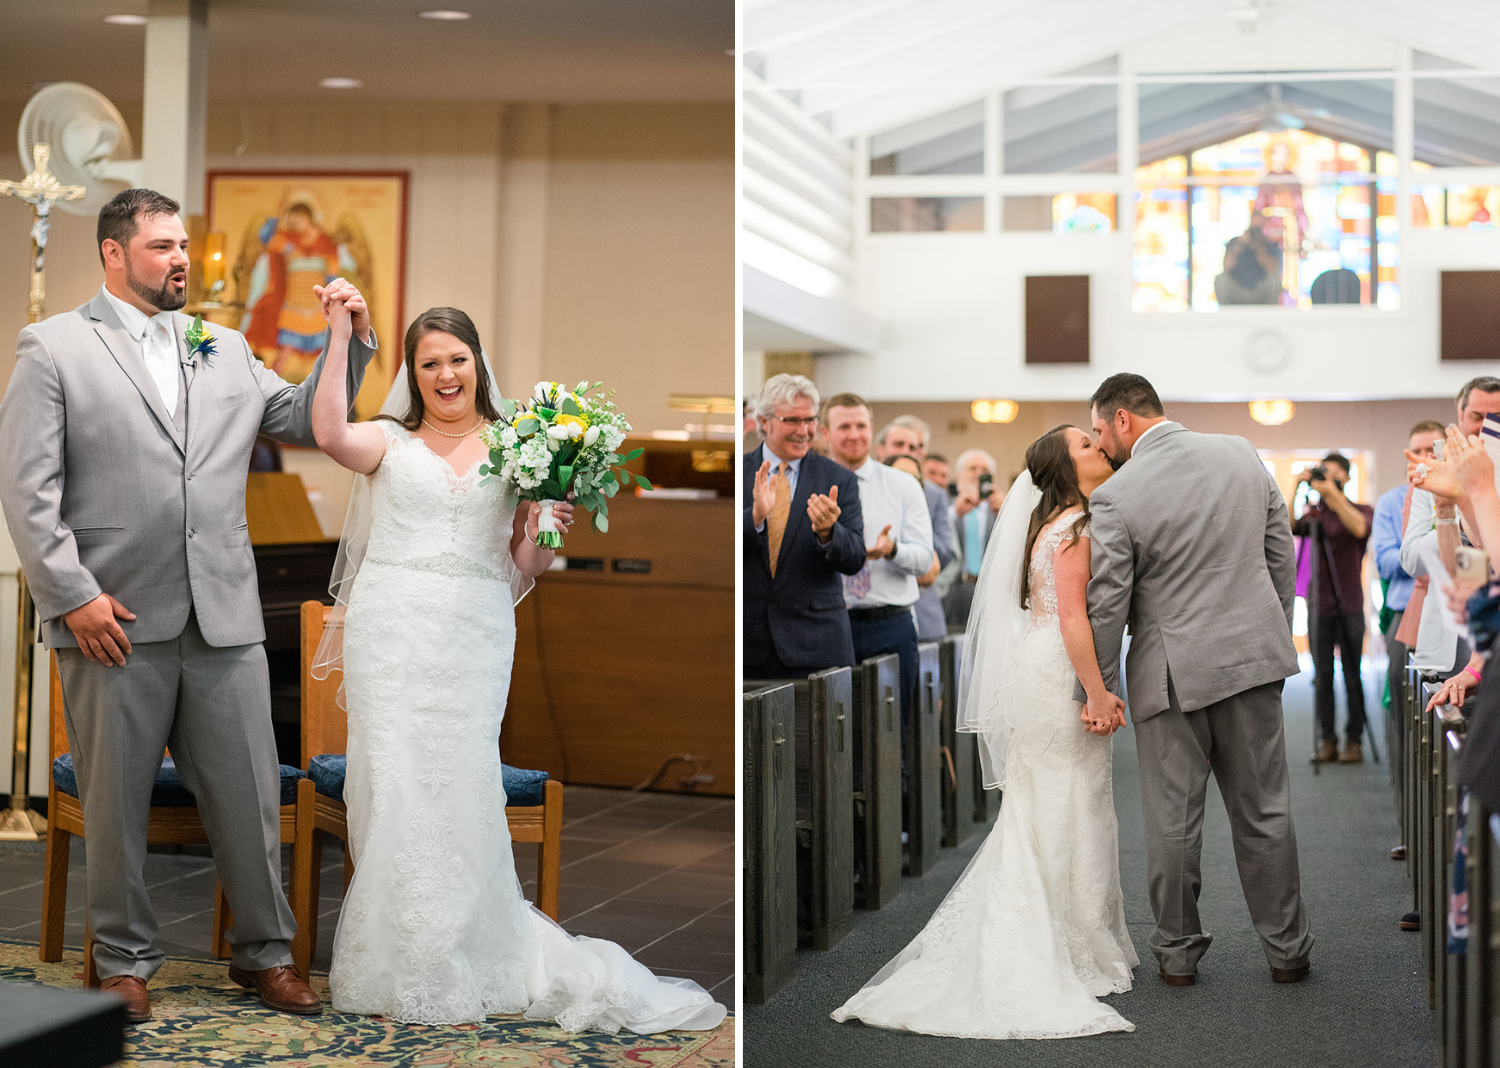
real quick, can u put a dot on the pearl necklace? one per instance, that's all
(445, 434)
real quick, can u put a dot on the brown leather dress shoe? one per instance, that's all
(1328, 752)
(1352, 753)
(132, 990)
(281, 989)
(1176, 980)
(1398, 852)
(1290, 975)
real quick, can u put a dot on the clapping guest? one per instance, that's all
(1467, 477)
(1389, 526)
(972, 514)
(898, 543)
(906, 435)
(1432, 524)
(802, 531)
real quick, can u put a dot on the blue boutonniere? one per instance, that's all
(200, 341)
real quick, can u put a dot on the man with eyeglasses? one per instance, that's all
(802, 531)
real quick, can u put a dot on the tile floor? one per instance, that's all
(651, 871)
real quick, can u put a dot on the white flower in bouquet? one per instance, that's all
(561, 441)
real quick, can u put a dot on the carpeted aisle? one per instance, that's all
(201, 1019)
(1365, 1003)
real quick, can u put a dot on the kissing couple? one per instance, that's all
(1094, 535)
(126, 439)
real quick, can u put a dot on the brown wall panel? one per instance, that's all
(1470, 315)
(1057, 318)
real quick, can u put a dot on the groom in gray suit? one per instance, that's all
(1207, 589)
(125, 452)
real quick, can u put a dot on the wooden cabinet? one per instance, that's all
(624, 670)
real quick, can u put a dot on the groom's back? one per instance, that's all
(1213, 569)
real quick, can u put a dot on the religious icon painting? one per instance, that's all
(284, 232)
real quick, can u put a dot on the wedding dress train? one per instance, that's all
(1034, 930)
(434, 928)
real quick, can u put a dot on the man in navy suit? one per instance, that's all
(802, 531)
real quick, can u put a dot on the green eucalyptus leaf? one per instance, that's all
(601, 522)
(570, 407)
(528, 426)
(633, 453)
(644, 484)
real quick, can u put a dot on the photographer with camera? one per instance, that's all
(1336, 531)
(972, 515)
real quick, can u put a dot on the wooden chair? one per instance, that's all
(174, 824)
(325, 731)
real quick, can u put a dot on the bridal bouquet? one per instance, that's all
(560, 440)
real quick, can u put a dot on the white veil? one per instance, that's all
(355, 538)
(992, 703)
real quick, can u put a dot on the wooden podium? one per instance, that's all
(625, 659)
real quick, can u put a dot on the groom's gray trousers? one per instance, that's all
(212, 707)
(1239, 740)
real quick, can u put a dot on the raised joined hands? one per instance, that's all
(344, 308)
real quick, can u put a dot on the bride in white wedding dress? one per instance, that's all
(1034, 931)
(434, 928)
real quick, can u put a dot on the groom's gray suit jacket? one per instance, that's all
(1191, 545)
(103, 492)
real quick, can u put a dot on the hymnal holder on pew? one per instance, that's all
(924, 766)
(877, 778)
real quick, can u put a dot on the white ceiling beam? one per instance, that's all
(1465, 30)
(786, 22)
(893, 30)
(1024, 45)
(990, 63)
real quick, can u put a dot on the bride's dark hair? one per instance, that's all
(1054, 474)
(444, 321)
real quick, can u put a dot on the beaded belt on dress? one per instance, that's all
(451, 564)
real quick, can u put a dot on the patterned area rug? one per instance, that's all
(201, 1018)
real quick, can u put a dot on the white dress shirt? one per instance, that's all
(894, 498)
(159, 348)
(1437, 642)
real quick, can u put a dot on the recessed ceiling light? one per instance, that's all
(442, 15)
(342, 83)
(126, 20)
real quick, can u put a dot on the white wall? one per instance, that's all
(952, 304)
(954, 314)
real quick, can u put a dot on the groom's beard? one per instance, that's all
(167, 298)
(1116, 462)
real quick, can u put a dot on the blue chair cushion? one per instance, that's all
(523, 789)
(168, 791)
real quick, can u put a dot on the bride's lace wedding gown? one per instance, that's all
(1034, 929)
(434, 928)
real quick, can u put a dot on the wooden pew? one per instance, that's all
(770, 840)
(1451, 972)
(877, 779)
(923, 756)
(960, 749)
(1481, 1010)
(825, 803)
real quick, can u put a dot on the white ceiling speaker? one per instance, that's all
(91, 145)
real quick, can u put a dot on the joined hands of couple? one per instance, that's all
(1103, 714)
